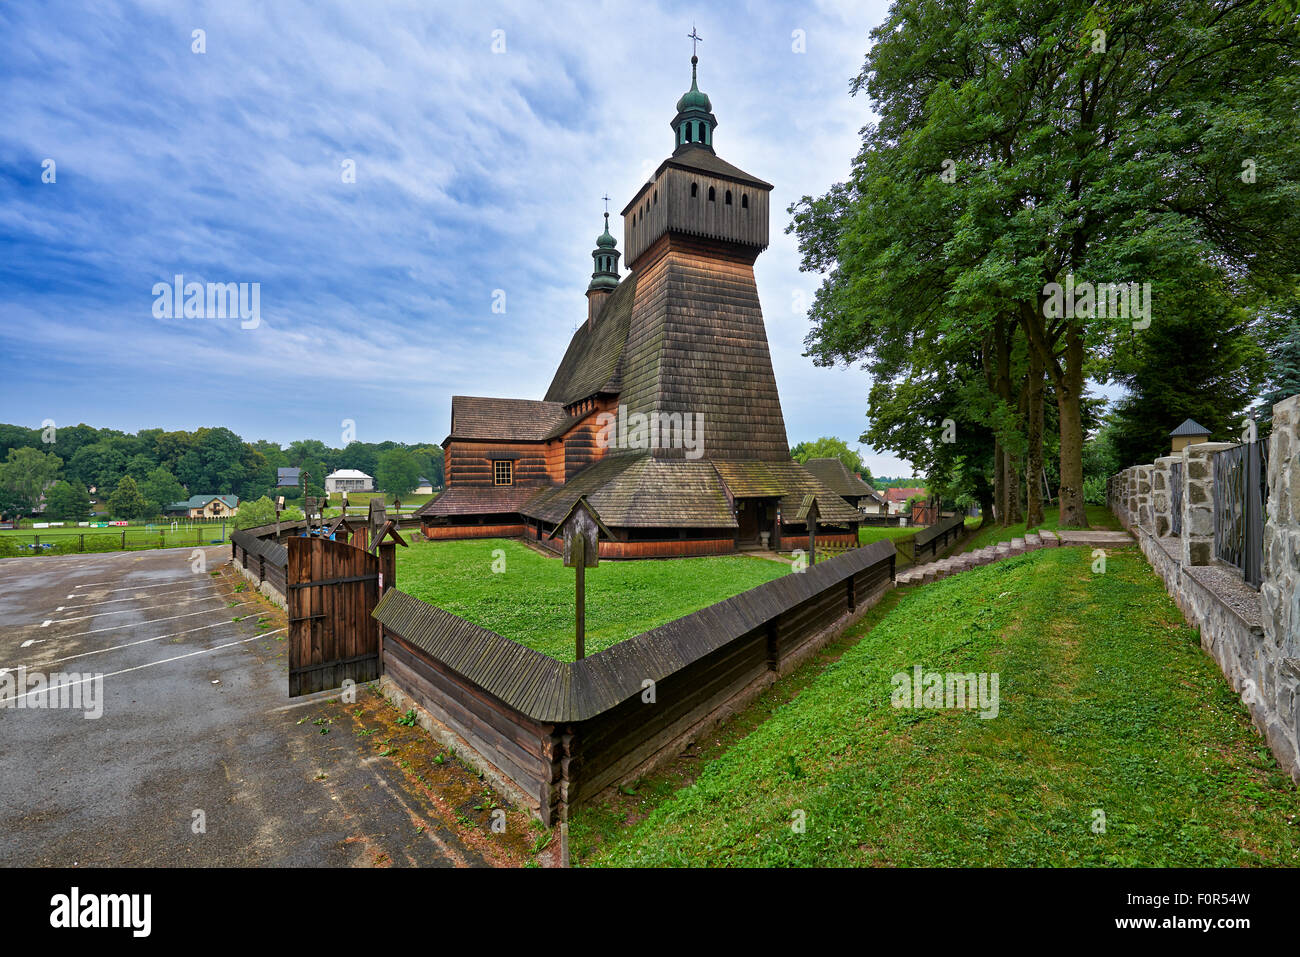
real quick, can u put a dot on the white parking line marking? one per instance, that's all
(46, 622)
(95, 631)
(170, 584)
(127, 611)
(130, 644)
(69, 684)
(114, 601)
(31, 641)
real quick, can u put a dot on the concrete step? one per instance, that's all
(1049, 537)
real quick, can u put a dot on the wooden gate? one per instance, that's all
(333, 588)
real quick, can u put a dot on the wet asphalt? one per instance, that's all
(196, 729)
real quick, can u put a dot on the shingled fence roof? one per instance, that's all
(552, 691)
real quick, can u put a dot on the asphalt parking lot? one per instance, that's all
(196, 728)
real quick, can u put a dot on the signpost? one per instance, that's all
(808, 513)
(581, 528)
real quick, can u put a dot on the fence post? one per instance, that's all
(82, 546)
(1162, 495)
(1198, 502)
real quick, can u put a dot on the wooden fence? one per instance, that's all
(263, 560)
(557, 733)
(929, 542)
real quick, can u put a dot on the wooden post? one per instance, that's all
(812, 539)
(580, 597)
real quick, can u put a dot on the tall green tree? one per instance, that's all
(397, 472)
(1076, 141)
(829, 447)
(160, 489)
(67, 501)
(126, 502)
(28, 472)
(1200, 361)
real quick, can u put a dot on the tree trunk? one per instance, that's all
(1015, 511)
(999, 484)
(1034, 391)
(1069, 391)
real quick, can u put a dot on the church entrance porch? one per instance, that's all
(757, 520)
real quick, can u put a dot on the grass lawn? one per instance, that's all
(1107, 704)
(1099, 517)
(531, 600)
(874, 533)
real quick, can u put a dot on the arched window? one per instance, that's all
(728, 197)
(656, 197)
(744, 201)
(695, 190)
(712, 194)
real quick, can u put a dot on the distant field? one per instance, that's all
(531, 599)
(70, 539)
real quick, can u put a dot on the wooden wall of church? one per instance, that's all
(470, 463)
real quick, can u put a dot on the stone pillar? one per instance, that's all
(1279, 592)
(1198, 502)
(1162, 498)
(1144, 488)
(1131, 505)
(1280, 589)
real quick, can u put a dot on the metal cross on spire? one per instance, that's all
(695, 38)
(606, 199)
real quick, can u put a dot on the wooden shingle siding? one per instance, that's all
(563, 731)
(697, 345)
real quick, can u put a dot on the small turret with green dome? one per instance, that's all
(694, 122)
(605, 256)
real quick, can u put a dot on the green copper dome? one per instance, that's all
(605, 258)
(694, 123)
(605, 240)
(693, 99)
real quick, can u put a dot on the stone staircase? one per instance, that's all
(933, 571)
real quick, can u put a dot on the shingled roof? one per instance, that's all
(592, 362)
(791, 481)
(477, 500)
(835, 475)
(636, 490)
(518, 420)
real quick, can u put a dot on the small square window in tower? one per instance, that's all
(503, 472)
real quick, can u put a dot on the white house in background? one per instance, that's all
(423, 487)
(348, 480)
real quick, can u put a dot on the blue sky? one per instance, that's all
(475, 171)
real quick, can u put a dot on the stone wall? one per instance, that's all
(1253, 635)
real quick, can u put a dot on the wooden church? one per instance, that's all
(679, 339)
